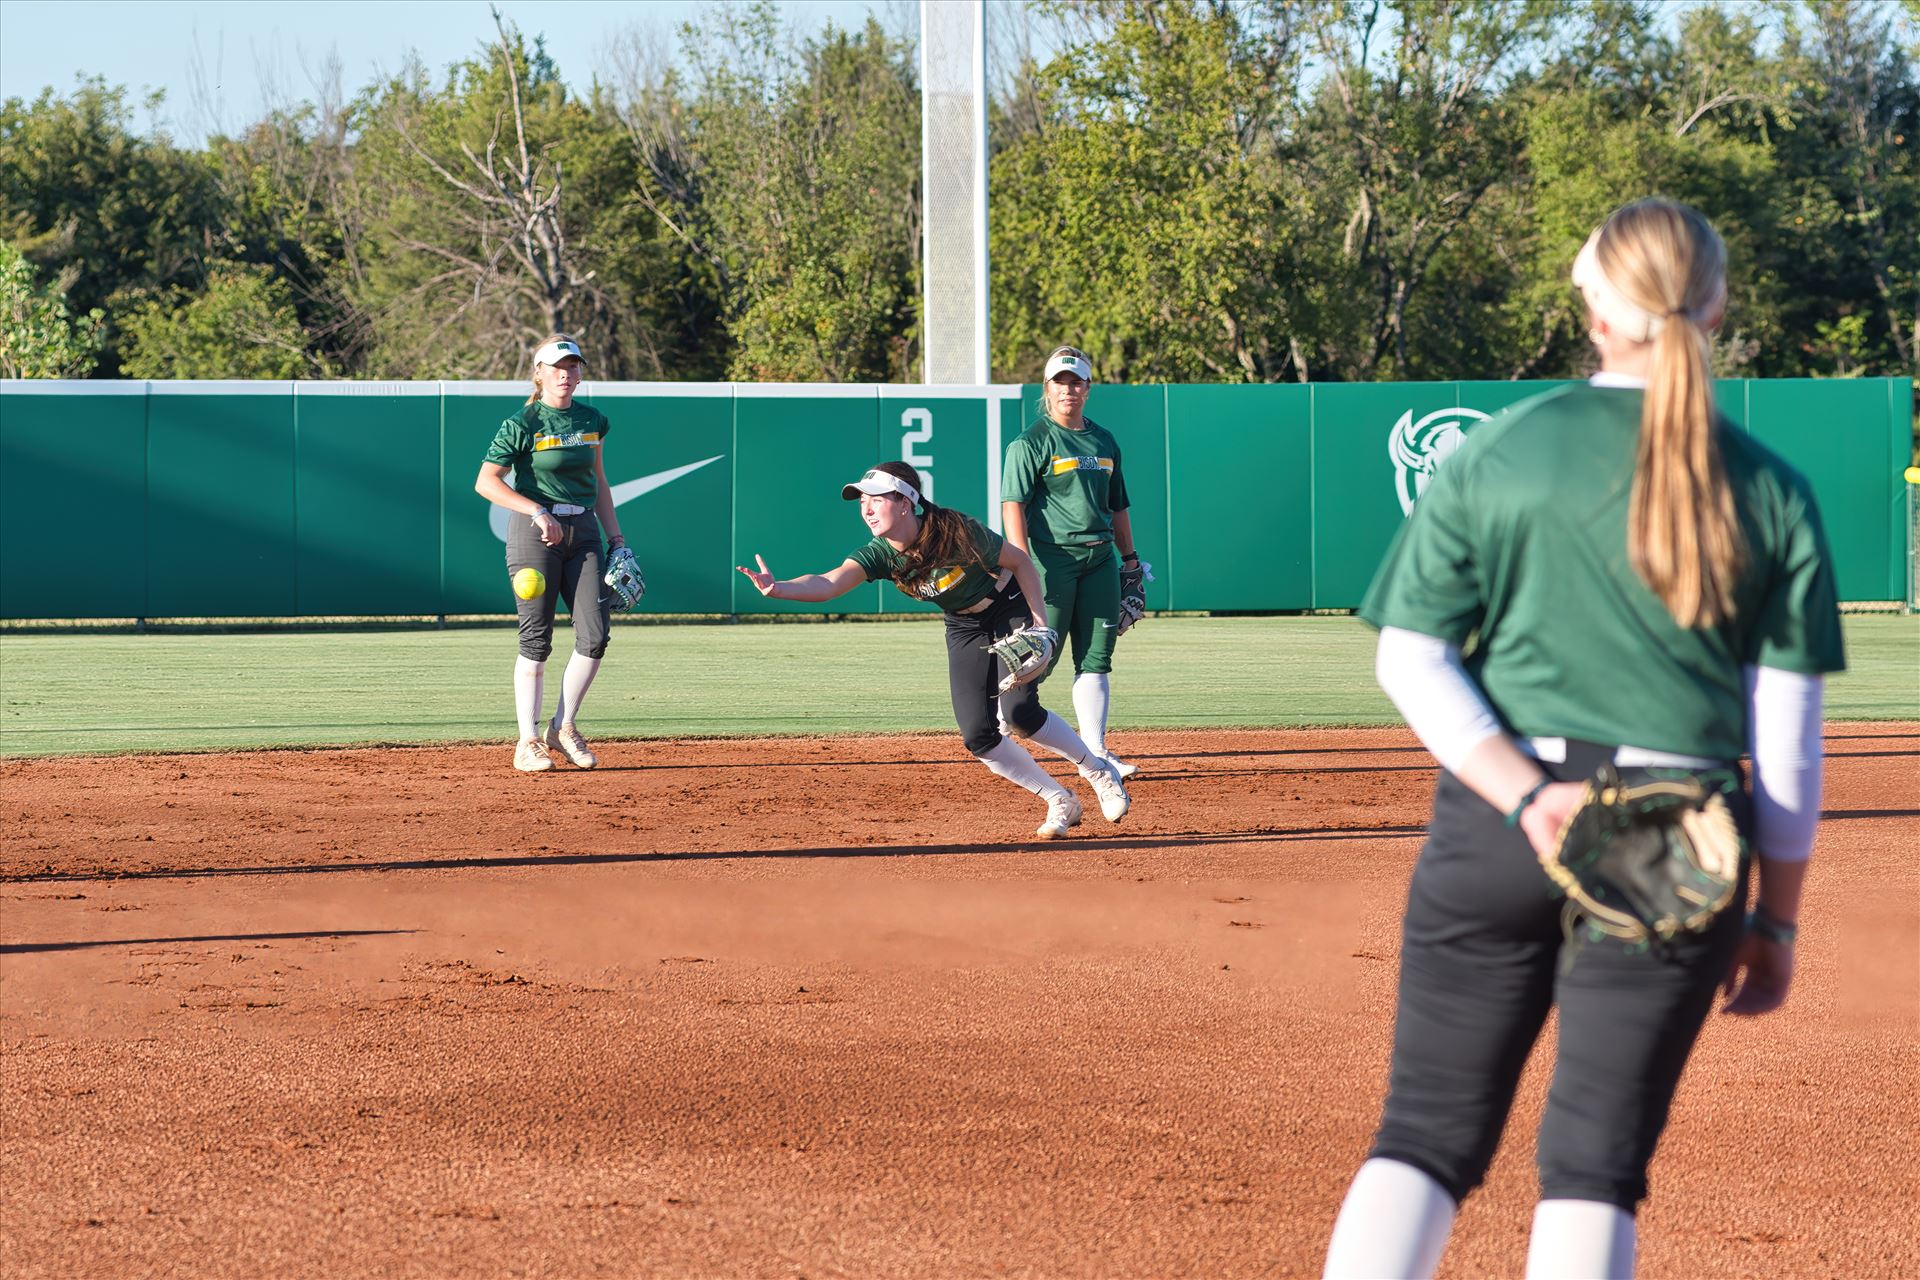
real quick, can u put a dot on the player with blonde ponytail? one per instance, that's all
(567, 533)
(1655, 277)
(1607, 576)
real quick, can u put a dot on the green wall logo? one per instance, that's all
(1418, 448)
(624, 492)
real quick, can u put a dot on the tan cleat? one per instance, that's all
(567, 741)
(531, 756)
(1063, 814)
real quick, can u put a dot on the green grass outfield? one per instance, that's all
(111, 692)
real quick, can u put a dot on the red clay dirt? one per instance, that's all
(825, 1008)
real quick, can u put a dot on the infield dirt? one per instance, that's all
(823, 1007)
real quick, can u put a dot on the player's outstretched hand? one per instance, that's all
(763, 581)
(1761, 973)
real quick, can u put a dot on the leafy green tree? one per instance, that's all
(488, 212)
(242, 324)
(1850, 260)
(806, 162)
(80, 191)
(281, 184)
(1413, 132)
(1149, 215)
(39, 336)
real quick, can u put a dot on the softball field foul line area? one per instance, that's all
(823, 1007)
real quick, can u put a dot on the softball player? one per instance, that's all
(1635, 580)
(987, 589)
(560, 485)
(1065, 503)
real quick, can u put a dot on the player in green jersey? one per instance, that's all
(1606, 574)
(987, 589)
(552, 446)
(1064, 502)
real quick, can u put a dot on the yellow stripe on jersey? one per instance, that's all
(1062, 465)
(571, 441)
(948, 578)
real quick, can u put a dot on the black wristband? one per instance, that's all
(1763, 924)
(1513, 819)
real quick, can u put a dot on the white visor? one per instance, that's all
(1068, 361)
(877, 482)
(555, 352)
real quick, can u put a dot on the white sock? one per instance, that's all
(1011, 761)
(1090, 709)
(1393, 1223)
(529, 683)
(574, 683)
(1058, 737)
(1580, 1240)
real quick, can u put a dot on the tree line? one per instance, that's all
(1190, 190)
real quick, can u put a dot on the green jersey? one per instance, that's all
(551, 452)
(952, 588)
(1521, 540)
(1069, 481)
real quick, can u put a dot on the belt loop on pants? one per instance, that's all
(567, 509)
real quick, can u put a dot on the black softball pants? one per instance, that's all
(1481, 965)
(573, 571)
(974, 674)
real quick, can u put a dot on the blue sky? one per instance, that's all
(209, 55)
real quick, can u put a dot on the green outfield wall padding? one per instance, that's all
(73, 501)
(221, 502)
(366, 472)
(280, 499)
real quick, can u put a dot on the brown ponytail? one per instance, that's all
(944, 543)
(1683, 535)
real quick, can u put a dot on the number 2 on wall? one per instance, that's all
(921, 420)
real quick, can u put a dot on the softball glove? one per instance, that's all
(623, 576)
(1027, 653)
(1135, 574)
(1648, 863)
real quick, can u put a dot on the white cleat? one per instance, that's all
(566, 740)
(531, 756)
(1105, 781)
(1121, 768)
(1063, 814)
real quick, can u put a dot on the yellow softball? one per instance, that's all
(1913, 475)
(529, 584)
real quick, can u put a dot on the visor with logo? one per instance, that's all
(1067, 360)
(555, 352)
(877, 482)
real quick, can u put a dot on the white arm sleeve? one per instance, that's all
(1432, 691)
(1783, 718)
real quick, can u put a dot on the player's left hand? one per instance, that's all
(624, 577)
(1135, 573)
(1758, 981)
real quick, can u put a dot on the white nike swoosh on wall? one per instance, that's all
(624, 492)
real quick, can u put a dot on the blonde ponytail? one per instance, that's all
(1683, 534)
(552, 337)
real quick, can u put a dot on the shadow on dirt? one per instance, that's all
(1090, 844)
